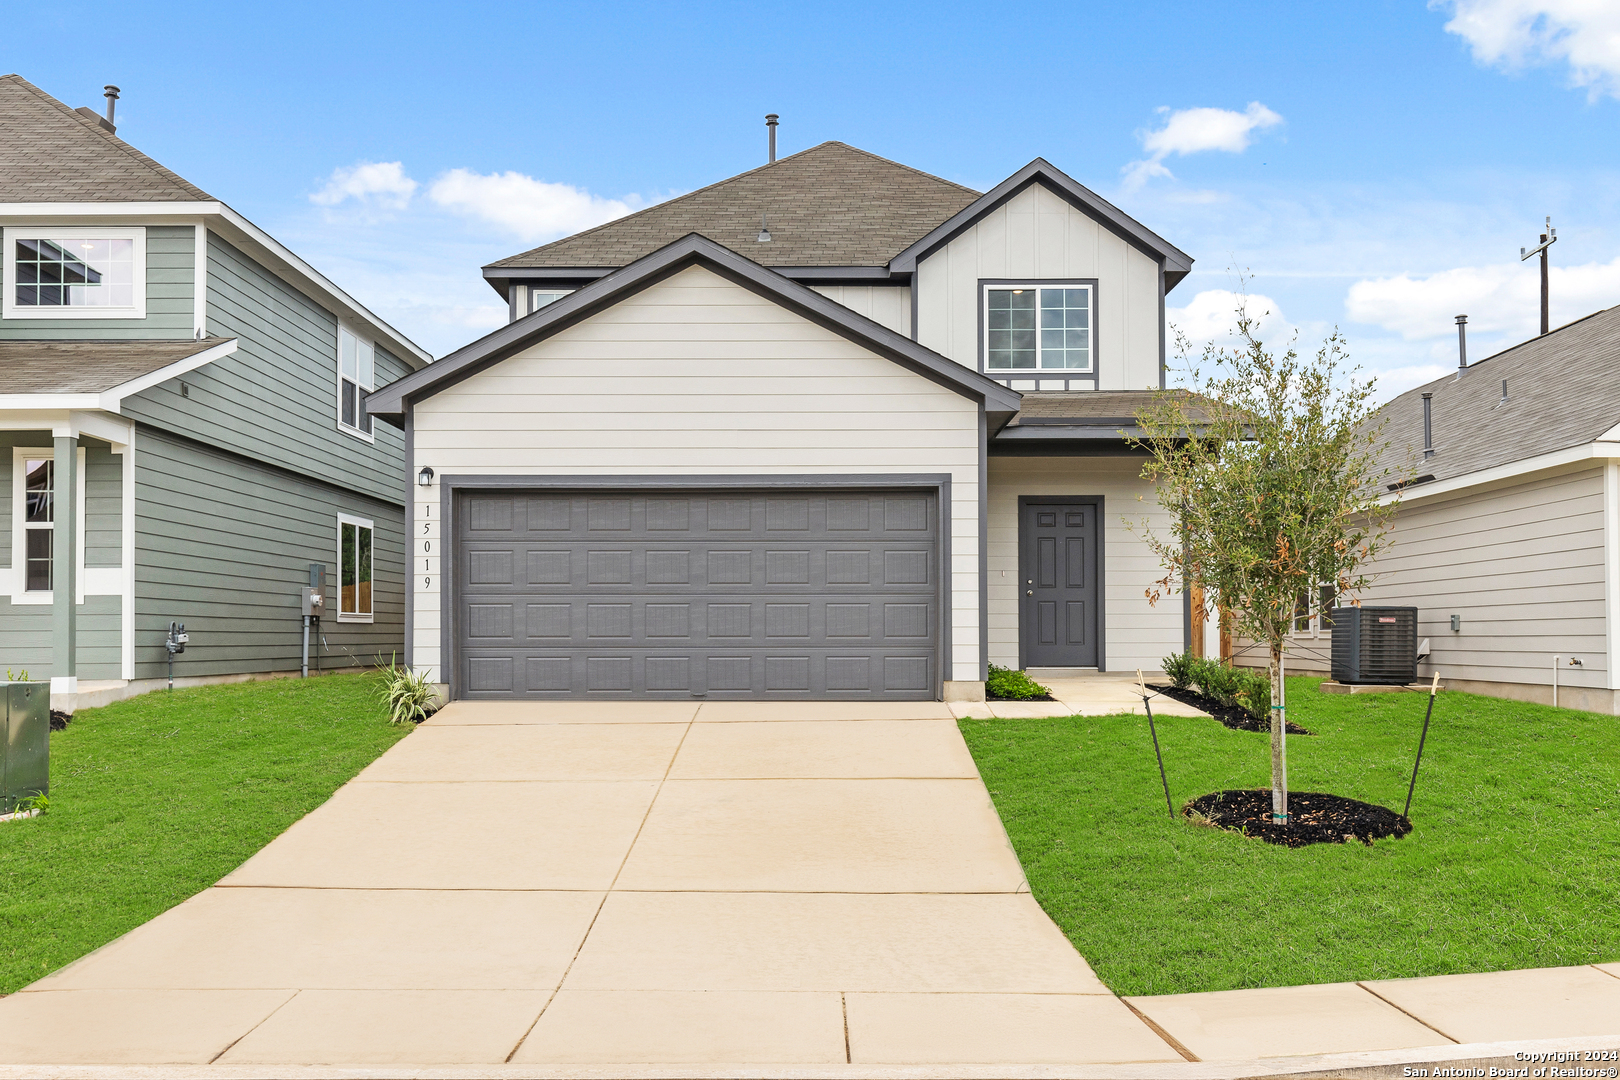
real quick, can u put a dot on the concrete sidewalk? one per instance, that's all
(1086, 695)
(801, 887)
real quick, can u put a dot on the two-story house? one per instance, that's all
(182, 427)
(832, 428)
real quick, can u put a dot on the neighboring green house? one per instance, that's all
(199, 391)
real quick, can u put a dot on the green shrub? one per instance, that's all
(408, 694)
(1005, 684)
(1178, 668)
(1243, 688)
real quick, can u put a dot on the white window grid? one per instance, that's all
(1061, 340)
(350, 611)
(81, 245)
(20, 593)
(539, 298)
(356, 377)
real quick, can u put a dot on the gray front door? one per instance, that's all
(683, 593)
(1058, 588)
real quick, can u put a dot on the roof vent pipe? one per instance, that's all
(1428, 429)
(770, 123)
(1462, 343)
(1504, 393)
(111, 94)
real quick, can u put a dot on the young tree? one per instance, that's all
(1270, 469)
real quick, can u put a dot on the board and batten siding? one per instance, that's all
(170, 289)
(25, 629)
(886, 305)
(276, 398)
(696, 375)
(223, 544)
(1037, 235)
(1135, 634)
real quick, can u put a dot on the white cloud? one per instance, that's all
(381, 184)
(1502, 298)
(1194, 131)
(1211, 316)
(530, 209)
(1513, 34)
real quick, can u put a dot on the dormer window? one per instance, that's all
(1039, 327)
(539, 298)
(357, 367)
(60, 273)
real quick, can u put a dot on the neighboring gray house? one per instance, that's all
(1513, 524)
(833, 428)
(182, 425)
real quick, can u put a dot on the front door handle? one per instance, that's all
(1029, 592)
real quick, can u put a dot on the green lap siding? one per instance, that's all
(224, 545)
(171, 252)
(276, 398)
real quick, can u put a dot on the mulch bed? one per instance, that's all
(59, 719)
(1313, 817)
(1233, 716)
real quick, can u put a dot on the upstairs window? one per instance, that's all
(354, 569)
(1038, 327)
(357, 364)
(539, 298)
(75, 273)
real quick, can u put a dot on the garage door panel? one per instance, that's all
(733, 594)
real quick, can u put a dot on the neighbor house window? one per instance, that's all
(539, 298)
(354, 569)
(357, 364)
(1308, 625)
(1038, 327)
(39, 522)
(75, 273)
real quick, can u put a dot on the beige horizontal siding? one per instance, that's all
(1523, 567)
(696, 375)
(1036, 235)
(1135, 633)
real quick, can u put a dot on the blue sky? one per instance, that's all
(1374, 166)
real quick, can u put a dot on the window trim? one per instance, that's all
(360, 523)
(18, 585)
(361, 388)
(1064, 375)
(532, 290)
(10, 309)
(1316, 629)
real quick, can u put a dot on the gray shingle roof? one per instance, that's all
(49, 153)
(831, 205)
(1085, 408)
(87, 367)
(1563, 391)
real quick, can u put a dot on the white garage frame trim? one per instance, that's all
(939, 484)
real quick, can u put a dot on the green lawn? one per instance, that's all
(1514, 860)
(156, 798)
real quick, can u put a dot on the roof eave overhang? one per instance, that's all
(275, 256)
(391, 401)
(502, 278)
(1174, 263)
(112, 398)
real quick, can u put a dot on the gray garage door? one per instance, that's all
(716, 594)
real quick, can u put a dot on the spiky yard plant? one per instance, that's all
(1270, 470)
(410, 697)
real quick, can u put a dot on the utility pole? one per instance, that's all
(1548, 239)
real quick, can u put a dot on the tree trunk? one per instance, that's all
(1279, 740)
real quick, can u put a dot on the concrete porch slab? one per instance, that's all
(1327, 1018)
(436, 836)
(563, 712)
(1019, 1029)
(532, 752)
(824, 749)
(612, 1027)
(823, 836)
(114, 1027)
(391, 1027)
(829, 941)
(1531, 1004)
(342, 939)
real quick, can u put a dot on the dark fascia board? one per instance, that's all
(391, 401)
(1041, 432)
(501, 278)
(1176, 264)
(1110, 422)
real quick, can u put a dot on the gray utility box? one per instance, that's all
(25, 753)
(1376, 645)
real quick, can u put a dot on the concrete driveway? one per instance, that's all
(791, 883)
